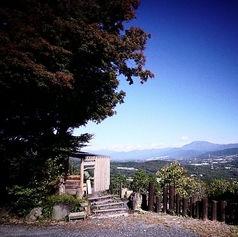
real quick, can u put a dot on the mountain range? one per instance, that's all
(194, 149)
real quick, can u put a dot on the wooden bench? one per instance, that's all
(77, 215)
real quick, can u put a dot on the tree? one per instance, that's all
(141, 182)
(175, 174)
(222, 189)
(59, 68)
(118, 182)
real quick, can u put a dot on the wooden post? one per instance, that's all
(222, 211)
(151, 196)
(198, 209)
(120, 189)
(171, 197)
(165, 197)
(233, 208)
(185, 206)
(177, 204)
(191, 214)
(144, 202)
(111, 189)
(158, 204)
(204, 208)
(214, 210)
(81, 174)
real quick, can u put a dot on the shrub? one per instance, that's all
(175, 174)
(23, 199)
(52, 200)
(141, 182)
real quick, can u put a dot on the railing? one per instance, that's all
(171, 203)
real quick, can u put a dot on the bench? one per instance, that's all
(77, 215)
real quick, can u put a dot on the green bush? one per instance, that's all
(141, 182)
(23, 199)
(50, 201)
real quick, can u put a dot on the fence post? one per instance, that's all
(151, 196)
(204, 208)
(222, 211)
(185, 206)
(233, 209)
(171, 197)
(165, 197)
(120, 190)
(144, 202)
(214, 210)
(158, 204)
(192, 206)
(177, 204)
(198, 209)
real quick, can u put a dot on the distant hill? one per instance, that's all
(191, 150)
(201, 146)
(225, 152)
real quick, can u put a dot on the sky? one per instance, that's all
(193, 54)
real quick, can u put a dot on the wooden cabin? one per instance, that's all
(101, 174)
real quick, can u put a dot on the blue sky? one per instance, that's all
(194, 95)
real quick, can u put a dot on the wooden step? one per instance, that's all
(103, 202)
(71, 182)
(91, 199)
(97, 206)
(72, 186)
(76, 177)
(109, 215)
(101, 199)
(71, 191)
(95, 211)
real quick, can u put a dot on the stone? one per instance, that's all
(86, 208)
(79, 194)
(34, 214)
(137, 201)
(125, 193)
(61, 211)
(4, 211)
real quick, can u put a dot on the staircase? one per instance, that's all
(72, 184)
(108, 206)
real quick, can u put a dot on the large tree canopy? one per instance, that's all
(59, 64)
(59, 68)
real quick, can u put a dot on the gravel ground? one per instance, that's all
(146, 224)
(131, 230)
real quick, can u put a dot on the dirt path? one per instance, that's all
(144, 221)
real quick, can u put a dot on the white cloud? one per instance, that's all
(184, 138)
(127, 147)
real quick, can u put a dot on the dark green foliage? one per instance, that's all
(24, 199)
(221, 189)
(148, 166)
(30, 181)
(186, 185)
(118, 182)
(141, 182)
(216, 183)
(59, 68)
(153, 166)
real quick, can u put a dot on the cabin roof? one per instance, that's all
(81, 154)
